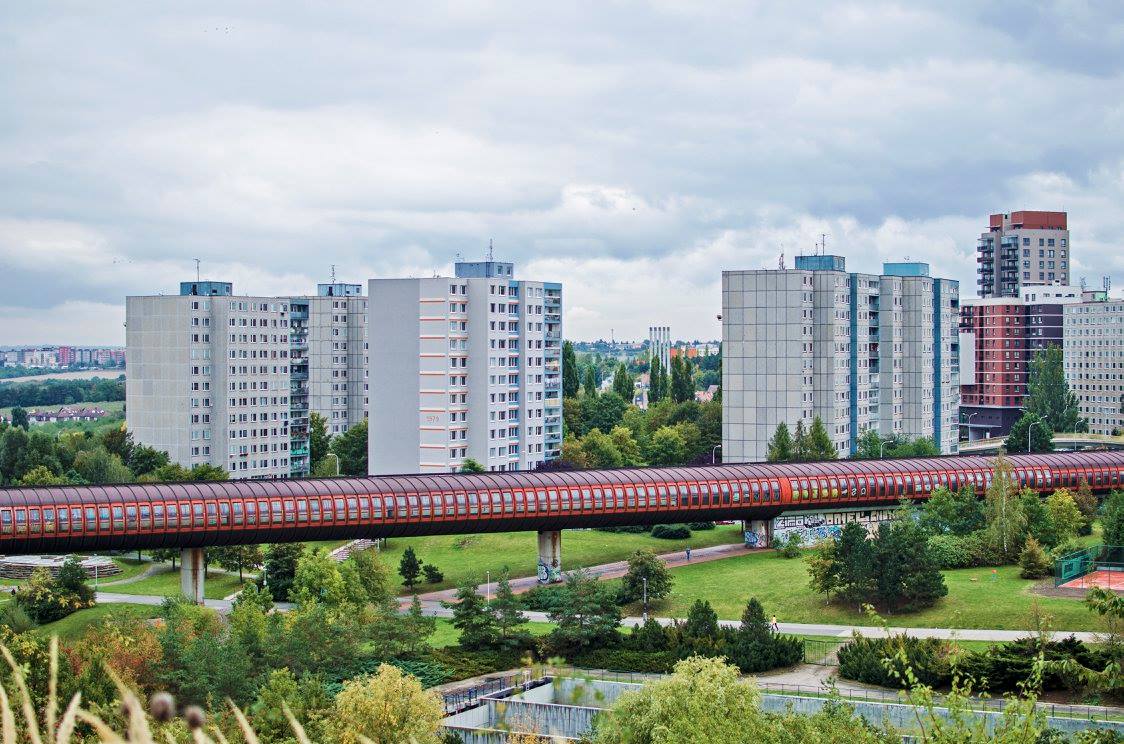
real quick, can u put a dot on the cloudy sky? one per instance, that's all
(630, 150)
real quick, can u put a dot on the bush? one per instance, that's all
(542, 598)
(1004, 667)
(626, 660)
(790, 547)
(700, 526)
(632, 529)
(1033, 561)
(463, 664)
(863, 660)
(13, 617)
(671, 531)
(432, 574)
(46, 599)
(952, 551)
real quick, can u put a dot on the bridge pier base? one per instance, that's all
(192, 573)
(758, 532)
(550, 556)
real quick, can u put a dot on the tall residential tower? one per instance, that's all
(1022, 248)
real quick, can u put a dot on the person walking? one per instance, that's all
(688, 553)
(776, 626)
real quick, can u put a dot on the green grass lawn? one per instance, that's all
(975, 599)
(217, 585)
(463, 556)
(74, 626)
(109, 406)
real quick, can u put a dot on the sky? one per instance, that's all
(630, 150)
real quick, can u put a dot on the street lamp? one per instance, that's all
(882, 443)
(1030, 429)
(969, 424)
(713, 451)
(488, 587)
(645, 580)
(333, 454)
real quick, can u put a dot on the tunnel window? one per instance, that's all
(239, 513)
(365, 507)
(103, 517)
(64, 519)
(275, 512)
(212, 515)
(302, 510)
(130, 517)
(33, 520)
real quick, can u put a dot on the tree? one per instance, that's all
(472, 616)
(644, 564)
(1041, 435)
(1087, 504)
(351, 448)
(702, 621)
(682, 385)
(118, 441)
(868, 446)
(281, 568)
(1003, 510)
(471, 466)
(1048, 394)
(847, 567)
(907, 577)
(800, 444)
(780, 446)
(623, 384)
(600, 451)
(667, 447)
(948, 513)
(41, 476)
(627, 445)
(756, 648)
(374, 578)
(207, 472)
(820, 446)
(20, 418)
(98, 466)
(1033, 561)
(386, 708)
(572, 418)
(145, 460)
(508, 613)
(237, 558)
(409, 568)
(586, 614)
(603, 412)
(589, 383)
(571, 377)
(657, 381)
(1066, 520)
(318, 438)
(1112, 518)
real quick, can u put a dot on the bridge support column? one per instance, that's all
(550, 557)
(758, 532)
(192, 573)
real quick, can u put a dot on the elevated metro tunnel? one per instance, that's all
(58, 519)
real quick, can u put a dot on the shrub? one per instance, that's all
(1033, 561)
(432, 574)
(671, 531)
(700, 526)
(626, 660)
(542, 598)
(463, 664)
(790, 547)
(952, 551)
(46, 599)
(13, 617)
(632, 529)
(1004, 667)
(864, 660)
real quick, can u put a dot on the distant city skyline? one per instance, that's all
(629, 152)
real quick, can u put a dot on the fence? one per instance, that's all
(1080, 563)
(823, 652)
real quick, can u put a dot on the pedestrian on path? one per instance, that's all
(688, 553)
(776, 627)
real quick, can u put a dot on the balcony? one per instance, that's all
(298, 452)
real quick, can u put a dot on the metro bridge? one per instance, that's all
(193, 516)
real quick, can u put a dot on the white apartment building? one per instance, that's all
(1093, 349)
(337, 354)
(464, 367)
(860, 351)
(659, 340)
(210, 378)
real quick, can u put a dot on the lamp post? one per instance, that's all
(969, 424)
(882, 443)
(713, 451)
(1030, 429)
(645, 580)
(488, 587)
(333, 454)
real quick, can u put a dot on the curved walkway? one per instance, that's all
(152, 570)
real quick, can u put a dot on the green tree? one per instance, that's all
(409, 567)
(472, 616)
(702, 621)
(374, 577)
(571, 376)
(657, 381)
(850, 573)
(41, 476)
(207, 472)
(682, 384)
(508, 613)
(623, 384)
(471, 466)
(801, 447)
(1112, 518)
(238, 558)
(907, 576)
(948, 513)
(589, 383)
(386, 708)
(20, 418)
(144, 460)
(1033, 560)
(868, 446)
(280, 568)
(603, 412)
(351, 448)
(780, 446)
(600, 451)
(627, 445)
(318, 437)
(755, 648)
(1040, 435)
(98, 466)
(1003, 509)
(1048, 394)
(572, 417)
(586, 615)
(645, 564)
(1066, 520)
(820, 446)
(1087, 503)
(667, 447)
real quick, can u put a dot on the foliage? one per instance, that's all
(318, 438)
(1033, 561)
(280, 568)
(1066, 519)
(1039, 431)
(471, 466)
(1048, 395)
(871, 446)
(682, 387)
(781, 447)
(952, 551)
(948, 513)
(509, 618)
(45, 598)
(659, 386)
(61, 392)
(589, 383)
(1112, 518)
(587, 616)
(790, 546)
(20, 418)
(237, 557)
(473, 618)
(432, 574)
(409, 568)
(756, 648)
(624, 384)
(351, 447)
(667, 447)
(671, 531)
(1004, 513)
(571, 380)
(644, 565)
(883, 661)
(819, 445)
(386, 708)
(1087, 505)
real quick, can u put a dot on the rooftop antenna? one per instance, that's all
(822, 244)
(490, 249)
(196, 260)
(780, 260)
(333, 273)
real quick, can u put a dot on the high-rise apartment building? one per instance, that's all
(999, 336)
(209, 378)
(860, 351)
(464, 367)
(1022, 248)
(659, 340)
(1094, 362)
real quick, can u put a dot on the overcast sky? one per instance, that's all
(629, 150)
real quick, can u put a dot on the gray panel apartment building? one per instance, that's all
(231, 380)
(1093, 349)
(861, 351)
(468, 367)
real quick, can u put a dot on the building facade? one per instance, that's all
(1094, 362)
(468, 366)
(1022, 248)
(209, 378)
(659, 340)
(860, 351)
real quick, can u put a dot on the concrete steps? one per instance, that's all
(343, 552)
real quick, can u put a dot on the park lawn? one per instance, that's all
(167, 584)
(461, 557)
(74, 626)
(447, 635)
(975, 599)
(109, 406)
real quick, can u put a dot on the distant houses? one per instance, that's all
(67, 414)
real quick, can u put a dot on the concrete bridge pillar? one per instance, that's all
(192, 573)
(758, 532)
(550, 556)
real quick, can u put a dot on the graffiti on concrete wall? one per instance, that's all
(814, 527)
